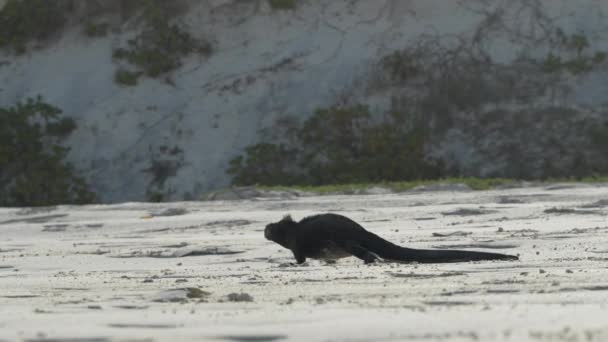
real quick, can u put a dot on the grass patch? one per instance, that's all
(584, 180)
(477, 184)
(473, 183)
(282, 4)
(126, 77)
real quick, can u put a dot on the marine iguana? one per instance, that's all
(332, 236)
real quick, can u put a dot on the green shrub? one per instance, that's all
(22, 21)
(552, 63)
(579, 65)
(575, 66)
(126, 77)
(282, 4)
(264, 163)
(576, 44)
(336, 146)
(158, 51)
(599, 57)
(33, 171)
(159, 48)
(598, 135)
(96, 29)
(401, 66)
(155, 197)
(165, 163)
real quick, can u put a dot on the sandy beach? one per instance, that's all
(202, 271)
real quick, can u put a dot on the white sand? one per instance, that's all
(85, 272)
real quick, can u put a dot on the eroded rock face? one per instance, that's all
(510, 89)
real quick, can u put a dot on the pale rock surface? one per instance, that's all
(269, 64)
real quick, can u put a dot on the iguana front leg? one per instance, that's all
(300, 258)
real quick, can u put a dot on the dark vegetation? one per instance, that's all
(22, 22)
(33, 170)
(165, 163)
(94, 29)
(339, 145)
(157, 50)
(437, 90)
(282, 4)
(126, 77)
(599, 136)
(160, 46)
(576, 60)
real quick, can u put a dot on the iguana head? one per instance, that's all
(279, 231)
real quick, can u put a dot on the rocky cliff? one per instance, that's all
(511, 88)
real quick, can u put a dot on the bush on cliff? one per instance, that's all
(33, 170)
(339, 145)
(161, 45)
(23, 21)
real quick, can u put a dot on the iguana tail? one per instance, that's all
(389, 251)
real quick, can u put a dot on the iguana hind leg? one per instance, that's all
(360, 252)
